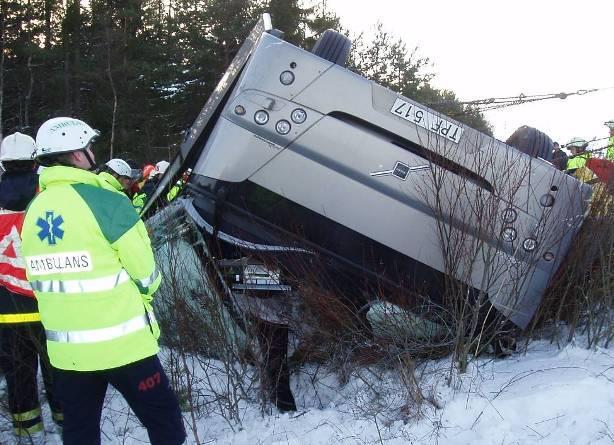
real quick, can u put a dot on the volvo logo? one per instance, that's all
(401, 170)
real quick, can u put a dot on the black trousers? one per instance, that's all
(143, 384)
(21, 345)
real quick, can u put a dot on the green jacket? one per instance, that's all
(138, 201)
(174, 191)
(577, 161)
(610, 153)
(89, 260)
(110, 182)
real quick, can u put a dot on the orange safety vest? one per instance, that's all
(12, 266)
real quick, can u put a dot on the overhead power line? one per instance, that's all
(493, 103)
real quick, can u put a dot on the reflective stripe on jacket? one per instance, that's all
(20, 318)
(17, 308)
(90, 263)
(12, 268)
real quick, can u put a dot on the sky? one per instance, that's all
(489, 48)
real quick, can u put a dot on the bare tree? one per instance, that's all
(109, 71)
(204, 339)
(582, 298)
(489, 273)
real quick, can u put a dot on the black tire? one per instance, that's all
(531, 141)
(333, 46)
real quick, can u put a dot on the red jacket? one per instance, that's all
(12, 266)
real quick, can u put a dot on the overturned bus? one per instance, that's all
(298, 164)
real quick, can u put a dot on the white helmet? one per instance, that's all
(120, 167)
(161, 168)
(17, 147)
(63, 135)
(609, 124)
(577, 142)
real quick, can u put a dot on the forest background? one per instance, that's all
(140, 70)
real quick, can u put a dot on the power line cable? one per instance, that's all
(493, 103)
(592, 140)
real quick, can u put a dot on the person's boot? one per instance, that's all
(23, 437)
(37, 438)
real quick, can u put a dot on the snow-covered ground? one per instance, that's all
(544, 396)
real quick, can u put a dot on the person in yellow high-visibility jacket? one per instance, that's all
(576, 163)
(140, 199)
(89, 261)
(179, 185)
(118, 175)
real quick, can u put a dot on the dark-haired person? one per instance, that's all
(559, 157)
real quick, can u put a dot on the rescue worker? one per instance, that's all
(158, 172)
(179, 185)
(610, 151)
(148, 170)
(150, 185)
(117, 174)
(576, 164)
(22, 338)
(139, 197)
(89, 261)
(135, 177)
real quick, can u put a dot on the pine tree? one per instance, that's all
(387, 61)
(140, 70)
(23, 27)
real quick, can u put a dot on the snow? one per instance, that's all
(545, 395)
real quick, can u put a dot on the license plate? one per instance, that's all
(426, 120)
